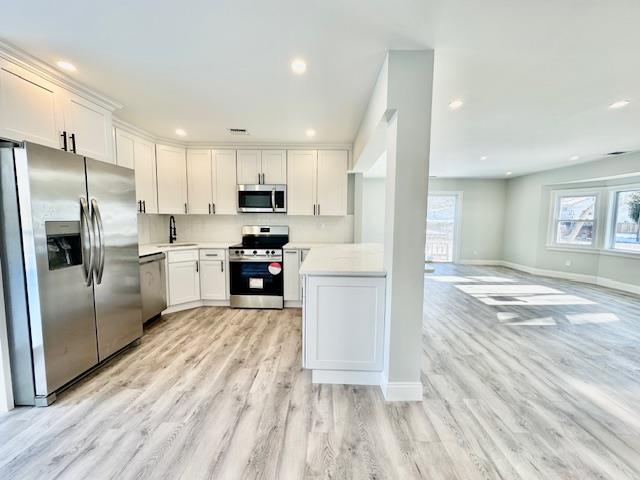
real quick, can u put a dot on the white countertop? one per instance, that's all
(308, 245)
(345, 259)
(151, 248)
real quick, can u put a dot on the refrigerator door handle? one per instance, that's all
(97, 222)
(85, 227)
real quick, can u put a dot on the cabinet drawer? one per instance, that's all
(183, 256)
(212, 254)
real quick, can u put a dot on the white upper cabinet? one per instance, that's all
(39, 111)
(199, 181)
(249, 166)
(274, 167)
(225, 190)
(171, 167)
(332, 182)
(30, 107)
(301, 186)
(145, 170)
(89, 128)
(262, 167)
(125, 149)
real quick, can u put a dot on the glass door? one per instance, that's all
(441, 228)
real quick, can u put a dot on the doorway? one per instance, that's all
(443, 227)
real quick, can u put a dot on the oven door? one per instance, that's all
(262, 198)
(256, 284)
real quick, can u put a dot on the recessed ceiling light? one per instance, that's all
(180, 132)
(483, 157)
(456, 104)
(574, 158)
(68, 66)
(310, 132)
(298, 66)
(509, 173)
(619, 104)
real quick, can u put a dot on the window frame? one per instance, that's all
(552, 234)
(612, 213)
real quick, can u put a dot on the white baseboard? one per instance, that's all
(213, 303)
(401, 391)
(576, 277)
(345, 377)
(473, 261)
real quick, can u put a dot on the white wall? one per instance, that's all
(482, 217)
(527, 219)
(373, 201)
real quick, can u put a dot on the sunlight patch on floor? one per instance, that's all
(490, 279)
(583, 318)
(534, 300)
(507, 289)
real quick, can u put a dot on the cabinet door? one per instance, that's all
(184, 282)
(274, 166)
(301, 181)
(212, 280)
(199, 184)
(30, 107)
(344, 308)
(225, 190)
(125, 149)
(145, 171)
(291, 276)
(171, 166)
(91, 125)
(332, 182)
(249, 166)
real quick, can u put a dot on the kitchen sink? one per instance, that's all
(174, 245)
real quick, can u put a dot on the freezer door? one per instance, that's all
(117, 274)
(56, 245)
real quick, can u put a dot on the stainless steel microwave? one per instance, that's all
(262, 198)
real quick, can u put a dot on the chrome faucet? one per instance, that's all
(173, 236)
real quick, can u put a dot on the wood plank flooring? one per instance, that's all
(511, 391)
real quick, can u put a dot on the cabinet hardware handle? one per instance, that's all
(197, 267)
(318, 209)
(214, 208)
(185, 208)
(73, 142)
(64, 140)
(139, 206)
(314, 208)
(144, 206)
(221, 266)
(209, 209)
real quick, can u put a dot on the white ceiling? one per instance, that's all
(536, 77)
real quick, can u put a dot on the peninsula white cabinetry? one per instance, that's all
(317, 182)
(262, 167)
(344, 314)
(211, 178)
(293, 258)
(171, 167)
(37, 110)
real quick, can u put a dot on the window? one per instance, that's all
(626, 221)
(441, 228)
(575, 220)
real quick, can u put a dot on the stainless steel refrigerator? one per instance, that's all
(69, 251)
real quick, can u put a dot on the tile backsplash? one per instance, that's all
(155, 228)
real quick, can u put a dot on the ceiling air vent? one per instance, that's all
(238, 131)
(616, 153)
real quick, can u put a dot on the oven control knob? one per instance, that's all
(241, 252)
(237, 252)
(273, 252)
(255, 252)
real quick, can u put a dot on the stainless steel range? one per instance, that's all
(256, 267)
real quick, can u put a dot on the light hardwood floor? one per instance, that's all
(510, 392)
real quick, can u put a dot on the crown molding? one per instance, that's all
(19, 57)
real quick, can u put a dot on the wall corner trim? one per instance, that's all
(401, 391)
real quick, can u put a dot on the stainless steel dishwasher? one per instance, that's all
(153, 285)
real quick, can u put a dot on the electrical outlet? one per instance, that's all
(568, 263)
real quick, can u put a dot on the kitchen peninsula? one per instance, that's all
(343, 313)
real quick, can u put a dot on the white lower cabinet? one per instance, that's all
(291, 264)
(344, 323)
(183, 277)
(213, 275)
